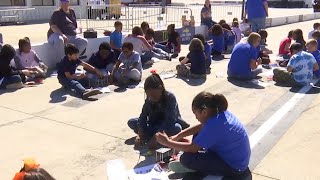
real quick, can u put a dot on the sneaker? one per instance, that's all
(177, 167)
(174, 55)
(90, 93)
(150, 62)
(168, 57)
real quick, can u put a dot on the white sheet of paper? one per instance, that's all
(116, 170)
(151, 172)
(104, 89)
(167, 76)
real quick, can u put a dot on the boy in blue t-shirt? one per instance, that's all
(116, 38)
(312, 47)
(68, 77)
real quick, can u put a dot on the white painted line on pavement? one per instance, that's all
(276, 117)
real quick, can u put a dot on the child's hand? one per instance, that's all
(175, 137)
(81, 76)
(65, 38)
(259, 61)
(162, 138)
(27, 72)
(99, 73)
(138, 142)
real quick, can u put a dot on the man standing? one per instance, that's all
(257, 11)
(63, 26)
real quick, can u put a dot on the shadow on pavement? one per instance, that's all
(245, 84)
(192, 82)
(58, 95)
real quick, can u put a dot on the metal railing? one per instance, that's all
(102, 17)
(220, 11)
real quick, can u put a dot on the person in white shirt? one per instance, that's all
(316, 27)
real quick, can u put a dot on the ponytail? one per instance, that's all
(154, 81)
(206, 100)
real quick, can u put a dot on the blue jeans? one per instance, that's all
(208, 22)
(209, 163)
(252, 75)
(76, 85)
(146, 56)
(258, 24)
(10, 80)
(151, 130)
(165, 48)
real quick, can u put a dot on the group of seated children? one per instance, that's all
(143, 40)
(160, 123)
(27, 65)
(103, 68)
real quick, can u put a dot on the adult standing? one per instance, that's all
(206, 15)
(63, 26)
(257, 11)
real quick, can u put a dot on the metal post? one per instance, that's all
(242, 10)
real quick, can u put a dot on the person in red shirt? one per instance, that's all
(284, 49)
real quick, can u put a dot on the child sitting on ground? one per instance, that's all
(312, 47)
(207, 51)
(26, 58)
(229, 38)
(173, 44)
(220, 144)
(316, 27)
(218, 41)
(116, 38)
(261, 49)
(236, 30)
(31, 171)
(194, 65)
(297, 35)
(160, 113)
(300, 68)
(245, 28)
(104, 60)
(149, 36)
(284, 48)
(67, 73)
(131, 69)
(10, 78)
(144, 26)
(316, 36)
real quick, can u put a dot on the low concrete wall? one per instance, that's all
(46, 52)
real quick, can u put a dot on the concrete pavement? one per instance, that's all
(73, 139)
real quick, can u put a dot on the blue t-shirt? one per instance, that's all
(198, 62)
(231, 38)
(116, 38)
(316, 55)
(96, 61)
(225, 135)
(66, 65)
(302, 64)
(318, 40)
(207, 52)
(241, 57)
(218, 43)
(255, 9)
